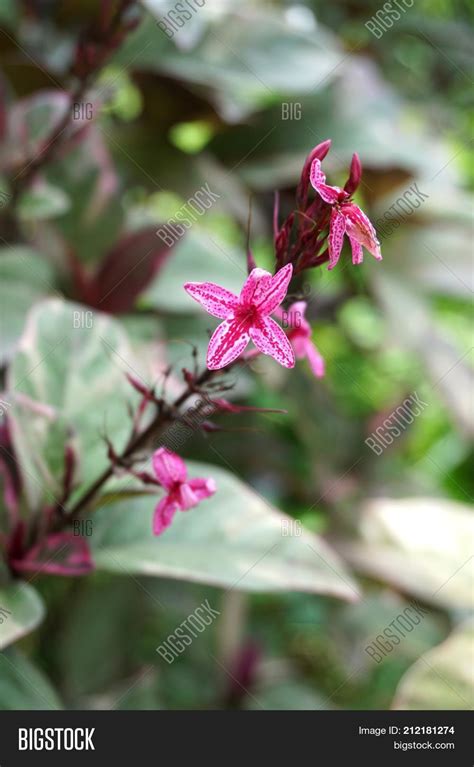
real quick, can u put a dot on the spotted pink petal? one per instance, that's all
(359, 228)
(202, 488)
(357, 255)
(255, 287)
(227, 342)
(329, 194)
(275, 290)
(216, 300)
(337, 228)
(168, 467)
(164, 513)
(270, 339)
(316, 362)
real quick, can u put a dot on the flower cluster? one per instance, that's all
(311, 235)
(302, 239)
(248, 316)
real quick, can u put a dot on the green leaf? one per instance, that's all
(236, 539)
(23, 686)
(42, 202)
(21, 610)
(415, 327)
(197, 257)
(25, 277)
(191, 137)
(9, 12)
(355, 626)
(288, 694)
(67, 381)
(443, 678)
(269, 151)
(239, 58)
(123, 612)
(33, 118)
(94, 221)
(422, 546)
(432, 258)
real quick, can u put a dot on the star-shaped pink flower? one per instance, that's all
(300, 337)
(246, 317)
(346, 218)
(182, 493)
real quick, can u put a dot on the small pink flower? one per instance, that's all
(300, 337)
(182, 494)
(246, 317)
(346, 218)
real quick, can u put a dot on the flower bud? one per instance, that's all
(319, 152)
(355, 175)
(138, 385)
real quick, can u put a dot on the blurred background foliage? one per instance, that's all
(208, 107)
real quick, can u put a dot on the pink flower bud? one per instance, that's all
(138, 385)
(319, 152)
(355, 175)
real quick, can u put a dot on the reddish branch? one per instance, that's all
(92, 51)
(165, 414)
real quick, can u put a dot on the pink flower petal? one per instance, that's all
(227, 342)
(194, 491)
(316, 362)
(329, 194)
(274, 291)
(255, 287)
(270, 339)
(168, 467)
(299, 343)
(360, 228)
(202, 488)
(164, 513)
(186, 497)
(357, 255)
(299, 307)
(216, 300)
(337, 228)
(297, 321)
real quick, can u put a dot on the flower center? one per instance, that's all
(247, 315)
(343, 198)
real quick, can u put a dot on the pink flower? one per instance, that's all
(182, 494)
(246, 317)
(300, 337)
(346, 218)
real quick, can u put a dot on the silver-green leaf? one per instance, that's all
(236, 539)
(21, 610)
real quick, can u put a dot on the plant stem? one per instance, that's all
(29, 169)
(141, 440)
(31, 166)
